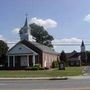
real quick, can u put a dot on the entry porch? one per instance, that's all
(27, 60)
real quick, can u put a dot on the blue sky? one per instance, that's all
(71, 19)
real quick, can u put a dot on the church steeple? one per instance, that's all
(82, 46)
(26, 22)
(83, 54)
(82, 43)
(25, 32)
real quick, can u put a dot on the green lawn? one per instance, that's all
(70, 71)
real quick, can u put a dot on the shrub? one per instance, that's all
(37, 65)
(28, 68)
(55, 64)
(46, 68)
(34, 68)
(31, 68)
(41, 68)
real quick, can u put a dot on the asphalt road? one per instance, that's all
(44, 84)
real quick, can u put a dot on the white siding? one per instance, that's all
(21, 49)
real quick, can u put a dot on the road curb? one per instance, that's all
(41, 78)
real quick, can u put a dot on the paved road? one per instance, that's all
(44, 84)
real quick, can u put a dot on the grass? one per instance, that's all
(69, 71)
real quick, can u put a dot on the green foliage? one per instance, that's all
(3, 52)
(3, 48)
(41, 68)
(88, 57)
(55, 64)
(84, 58)
(46, 68)
(37, 65)
(34, 68)
(41, 35)
(63, 57)
(31, 68)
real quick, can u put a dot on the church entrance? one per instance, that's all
(23, 61)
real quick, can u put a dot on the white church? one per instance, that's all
(27, 52)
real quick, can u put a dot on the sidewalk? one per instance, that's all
(36, 78)
(86, 88)
(78, 77)
(48, 78)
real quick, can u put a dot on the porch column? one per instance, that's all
(13, 61)
(28, 60)
(33, 60)
(8, 61)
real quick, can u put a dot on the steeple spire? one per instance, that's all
(83, 54)
(82, 43)
(26, 22)
(82, 47)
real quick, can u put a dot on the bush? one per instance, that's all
(41, 68)
(34, 68)
(46, 68)
(28, 68)
(31, 68)
(55, 64)
(37, 65)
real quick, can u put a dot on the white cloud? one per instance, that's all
(16, 30)
(11, 43)
(48, 23)
(59, 44)
(87, 18)
(2, 38)
(67, 40)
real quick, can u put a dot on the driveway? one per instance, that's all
(87, 70)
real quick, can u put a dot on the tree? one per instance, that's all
(63, 57)
(41, 35)
(88, 57)
(3, 51)
(84, 58)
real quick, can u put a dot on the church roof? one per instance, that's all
(39, 46)
(73, 54)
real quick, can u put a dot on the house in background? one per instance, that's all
(77, 58)
(27, 52)
(73, 58)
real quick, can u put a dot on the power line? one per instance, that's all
(62, 44)
(70, 44)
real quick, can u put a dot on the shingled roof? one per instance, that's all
(73, 54)
(40, 46)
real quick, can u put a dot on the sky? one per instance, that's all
(68, 21)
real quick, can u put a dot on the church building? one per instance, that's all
(27, 52)
(77, 58)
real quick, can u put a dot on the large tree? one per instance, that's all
(3, 51)
(41, 35)
(63, 57)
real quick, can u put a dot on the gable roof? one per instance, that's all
(20, 48)
(73, 54)
(41, 47)
(37, 45)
